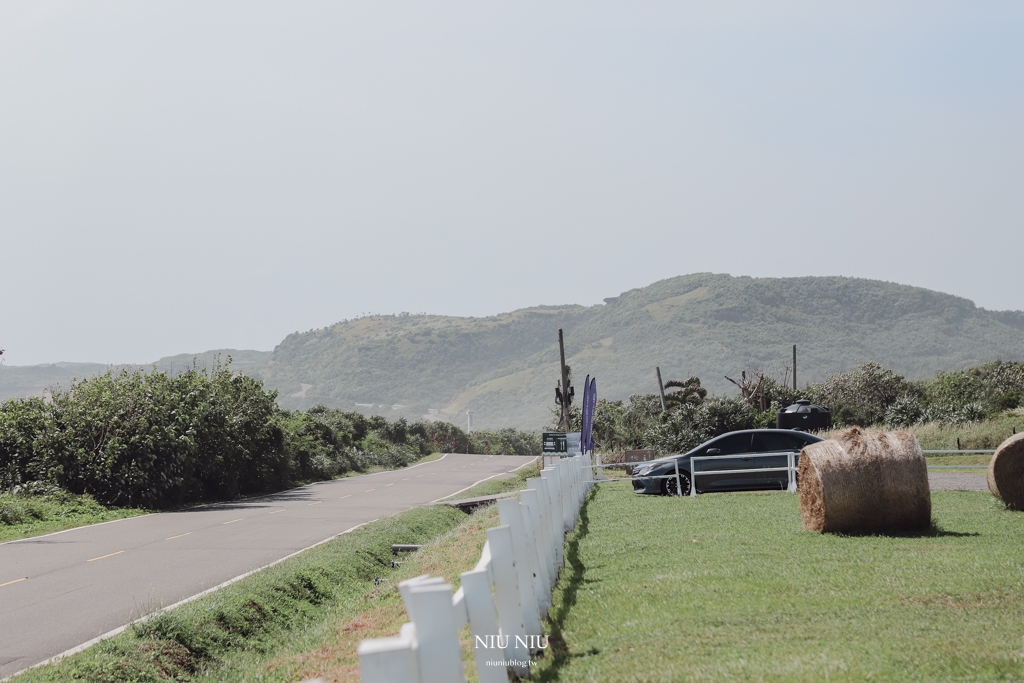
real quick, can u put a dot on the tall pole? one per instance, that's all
(565, 383)
(661, 388)
(794, 367)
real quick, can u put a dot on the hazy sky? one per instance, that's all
(180, 176)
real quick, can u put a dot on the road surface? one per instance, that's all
(62, 590)
(957, 480)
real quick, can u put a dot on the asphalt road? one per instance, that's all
(62, 590)
(953, 480)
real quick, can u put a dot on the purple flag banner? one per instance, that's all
(589, 408)
(593, 413)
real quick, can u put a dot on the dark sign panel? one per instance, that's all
(553, 442)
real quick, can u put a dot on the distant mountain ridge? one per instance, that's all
(504, 367)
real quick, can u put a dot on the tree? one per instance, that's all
(687, 392)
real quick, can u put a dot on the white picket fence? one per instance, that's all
(503, 598)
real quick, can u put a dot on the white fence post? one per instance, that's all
(506, 589)
(483, 625)
(539, 484)
(438, 651)
(790, 460)
(520, 559)
(511, 516)
(549, 484)
(577, 486)
(531, 500)
(566, 494)
(389, 660)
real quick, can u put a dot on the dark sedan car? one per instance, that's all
(732, 451)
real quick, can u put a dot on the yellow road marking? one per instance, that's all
(316, 503)
(15, 581)
(391, 484)
(418, 476)
(171, 538)
(349, 495)
(233, 521)
(406, 479)
(101, 557)
(368, 490)
(276, 511)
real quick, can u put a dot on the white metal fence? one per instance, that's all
(503, 598)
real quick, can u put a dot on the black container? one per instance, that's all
(803, 415)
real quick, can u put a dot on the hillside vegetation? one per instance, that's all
(504, 367)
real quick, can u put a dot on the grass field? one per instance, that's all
(730, 587)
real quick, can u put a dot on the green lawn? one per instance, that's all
(730, 587)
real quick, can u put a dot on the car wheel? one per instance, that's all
(668, 486)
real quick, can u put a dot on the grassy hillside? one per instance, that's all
(417, 361)
(504, 367)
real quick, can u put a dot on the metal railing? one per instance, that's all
(790, 467)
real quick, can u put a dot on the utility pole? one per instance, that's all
(661, 388)
(565, 383)
(794, 367)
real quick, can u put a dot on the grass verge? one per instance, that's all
(493, 487)
(23, 516)
(730, 587)
(972, 436)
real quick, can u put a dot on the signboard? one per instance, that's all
(572, 443)
(553, 442)
(560, 443)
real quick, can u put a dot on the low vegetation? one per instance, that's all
(731, 587)
(969, 409)
(32, 511)
(157, 440)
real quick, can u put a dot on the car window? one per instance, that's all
(766, 443)
(730, 445)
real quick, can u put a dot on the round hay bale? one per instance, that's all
(1006, 472)
(864, 481)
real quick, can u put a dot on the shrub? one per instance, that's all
(861, 397)
(690, 426)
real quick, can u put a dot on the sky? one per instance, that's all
(183, 176)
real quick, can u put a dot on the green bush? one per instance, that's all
(690, 426)
(157, 440)
(861, 397)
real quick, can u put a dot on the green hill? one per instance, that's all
(504, 367)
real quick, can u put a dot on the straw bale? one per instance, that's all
(1006, 472)
(864, 481)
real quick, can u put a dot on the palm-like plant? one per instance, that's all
(687, 392)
